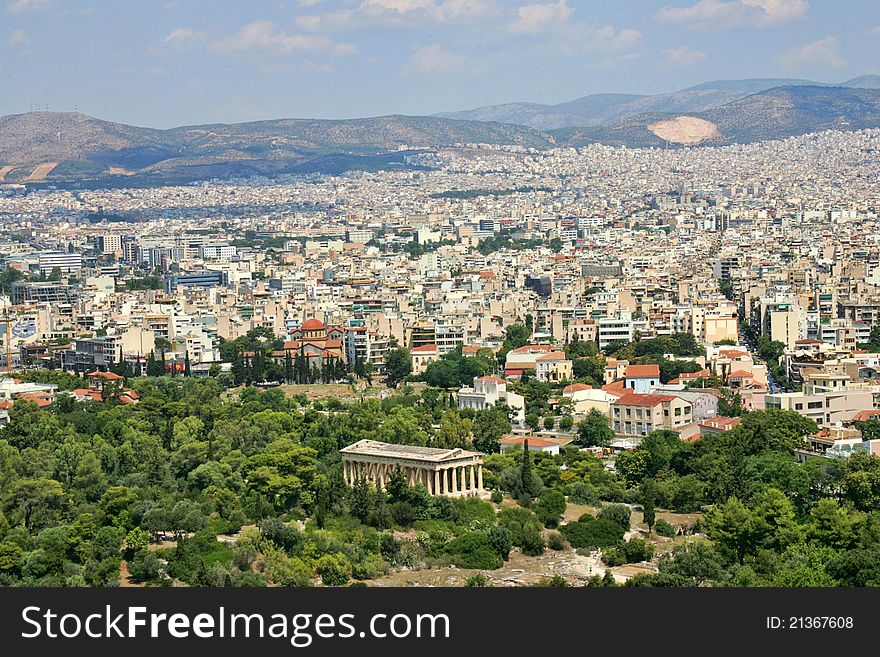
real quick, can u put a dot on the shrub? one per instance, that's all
(474, 550)
(334, 569)
(371, 567)
(557, 581)
(635, 550)
(591, 533)
(549, 507)
(612, 557)
(617, 513)
(555, 541)
(497, 496)
(533, 542)
(477, 581)
(285, 536)
(144, 567)
(664, 528)
(404, 513)
(581, 492)
(473, 509)
(288, 571)
(501, 541)
(519, 522)
(566, 423)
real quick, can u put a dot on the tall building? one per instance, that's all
(68, 263)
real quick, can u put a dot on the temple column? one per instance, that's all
(480, 477)
(472, 477)
(454, 480)
(436, 482)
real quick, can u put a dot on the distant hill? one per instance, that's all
(608, 109)
(61, 146)
(773, 114)
(52, 148)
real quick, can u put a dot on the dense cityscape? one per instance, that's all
(493, 366)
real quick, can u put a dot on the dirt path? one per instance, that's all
(124, 577)
(3, 171)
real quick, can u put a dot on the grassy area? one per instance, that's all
(341, 391)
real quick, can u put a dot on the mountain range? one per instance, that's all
(71, 148)
(607, 109)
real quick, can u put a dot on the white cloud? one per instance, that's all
(538, 18)
(820, 54)
(264, 36)
(397, 13)
(183, 36)
(434, 59)
(21, 6)
(18, 38)
(875, 30)
(682, 56)
(723, 14)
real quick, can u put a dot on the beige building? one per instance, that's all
(639, 415)
(423, 356)
(553, 366)
(826, 408)
(450, 472)
(719, 328)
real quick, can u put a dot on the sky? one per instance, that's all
(166, 63)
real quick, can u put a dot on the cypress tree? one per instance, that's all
(648, 512)
(526, 470)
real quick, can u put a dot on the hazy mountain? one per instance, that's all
(773, 114)
(71, 146)
(608, 109)
(863, 82)
(54, 147)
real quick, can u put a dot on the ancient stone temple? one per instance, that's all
(452, 472)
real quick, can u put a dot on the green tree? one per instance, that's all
(398, 366)
(490, 424)
(649, 514)
(595, 430)
(734, 527)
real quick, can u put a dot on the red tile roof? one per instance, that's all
(694, 375)
(635, 399)
(741, 374)
(864, 416)
(107, 376)
(553, 355)
(642, 371)
(533, 349)
(721, 422)
(83, 393)
(533, 442)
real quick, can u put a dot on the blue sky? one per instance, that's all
(163, 63)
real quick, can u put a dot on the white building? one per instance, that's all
(486, 391)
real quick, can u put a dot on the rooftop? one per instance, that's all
(412, 452)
